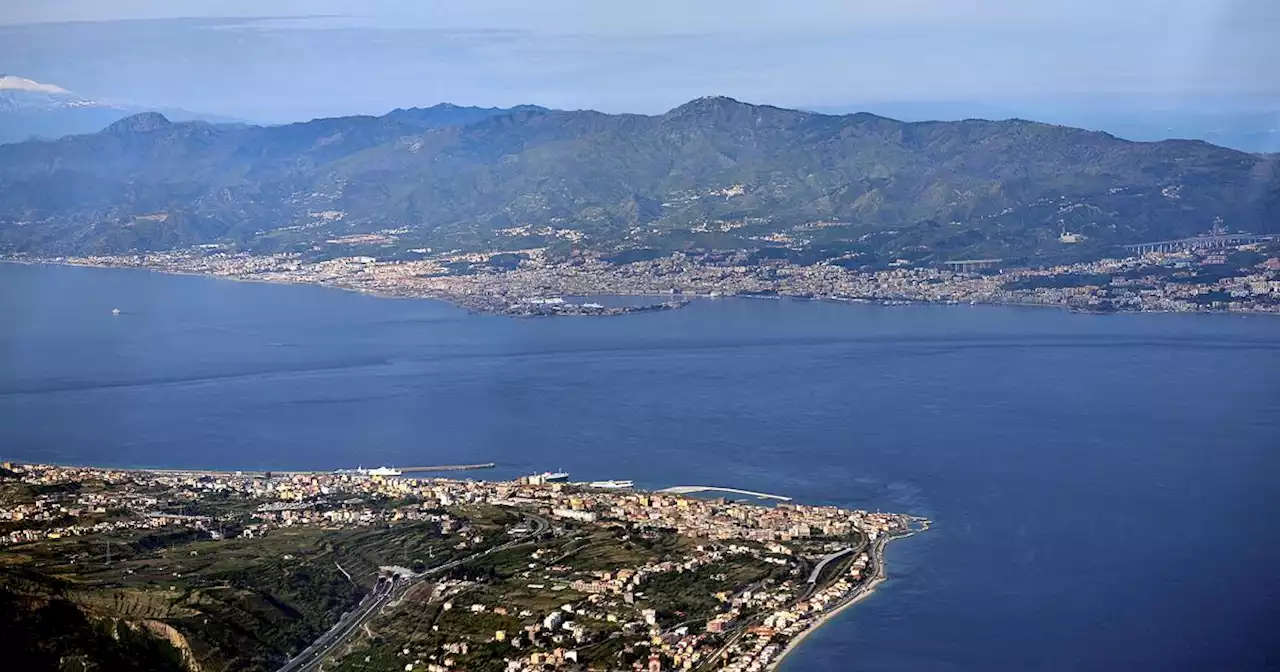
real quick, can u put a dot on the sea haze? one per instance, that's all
(1101, 486)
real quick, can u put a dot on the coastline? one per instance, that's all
(231, 278)
(155, 512)
(261, 473)
(859, 594)
(676, 301)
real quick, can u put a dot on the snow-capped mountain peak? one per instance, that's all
(15, 83)
(31, 109)
(19, 94)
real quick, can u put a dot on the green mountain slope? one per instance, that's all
(711, 173)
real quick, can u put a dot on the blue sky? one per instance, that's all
(284, 60)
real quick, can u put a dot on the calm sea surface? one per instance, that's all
(1104, 488)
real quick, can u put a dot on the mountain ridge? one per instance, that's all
(711, 173)
(1247, 125)
(31, 109)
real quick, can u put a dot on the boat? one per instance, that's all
(115, 311)
(382, 471)
(611, 484)
(545, 477)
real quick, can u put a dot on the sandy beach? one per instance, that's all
(861, 593)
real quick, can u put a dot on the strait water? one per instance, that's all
(1103, 487)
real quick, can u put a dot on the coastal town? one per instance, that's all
(1230, 277)
(533, 574)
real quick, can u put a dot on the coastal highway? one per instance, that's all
(311, 658)
(816, 574)
(313, 655)
(812, 584)
(817, 570)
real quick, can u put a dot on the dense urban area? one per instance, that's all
(1192, 275)
(374, 570)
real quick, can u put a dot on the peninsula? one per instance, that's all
(172, 570)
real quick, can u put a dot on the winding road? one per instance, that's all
(312, 657)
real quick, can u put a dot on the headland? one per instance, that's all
(534, 573)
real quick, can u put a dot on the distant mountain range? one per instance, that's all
(714, 173)
(1250, 126)
(31, 109)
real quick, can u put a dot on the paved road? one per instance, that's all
(817, 570)
(313, 656)
(822, 565)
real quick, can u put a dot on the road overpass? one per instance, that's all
(960, 265)
(826, 560)
(1199, 242)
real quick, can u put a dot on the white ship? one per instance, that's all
(545, 477)
(380, 471)
(611, 484)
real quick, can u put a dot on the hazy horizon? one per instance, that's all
(288, 61)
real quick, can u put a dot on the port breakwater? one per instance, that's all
(693, 489)
(449, 467)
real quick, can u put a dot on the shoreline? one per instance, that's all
(259, 473)
(859, 594)
(675, 302)
(156, 513)
(235, 278)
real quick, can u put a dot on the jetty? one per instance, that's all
(692, 489)
(450, 467)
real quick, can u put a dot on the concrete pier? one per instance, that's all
(691, 489)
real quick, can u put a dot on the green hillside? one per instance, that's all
(711, 174)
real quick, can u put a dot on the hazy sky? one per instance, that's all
(275, 61)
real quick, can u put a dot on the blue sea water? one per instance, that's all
(1103, 487)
